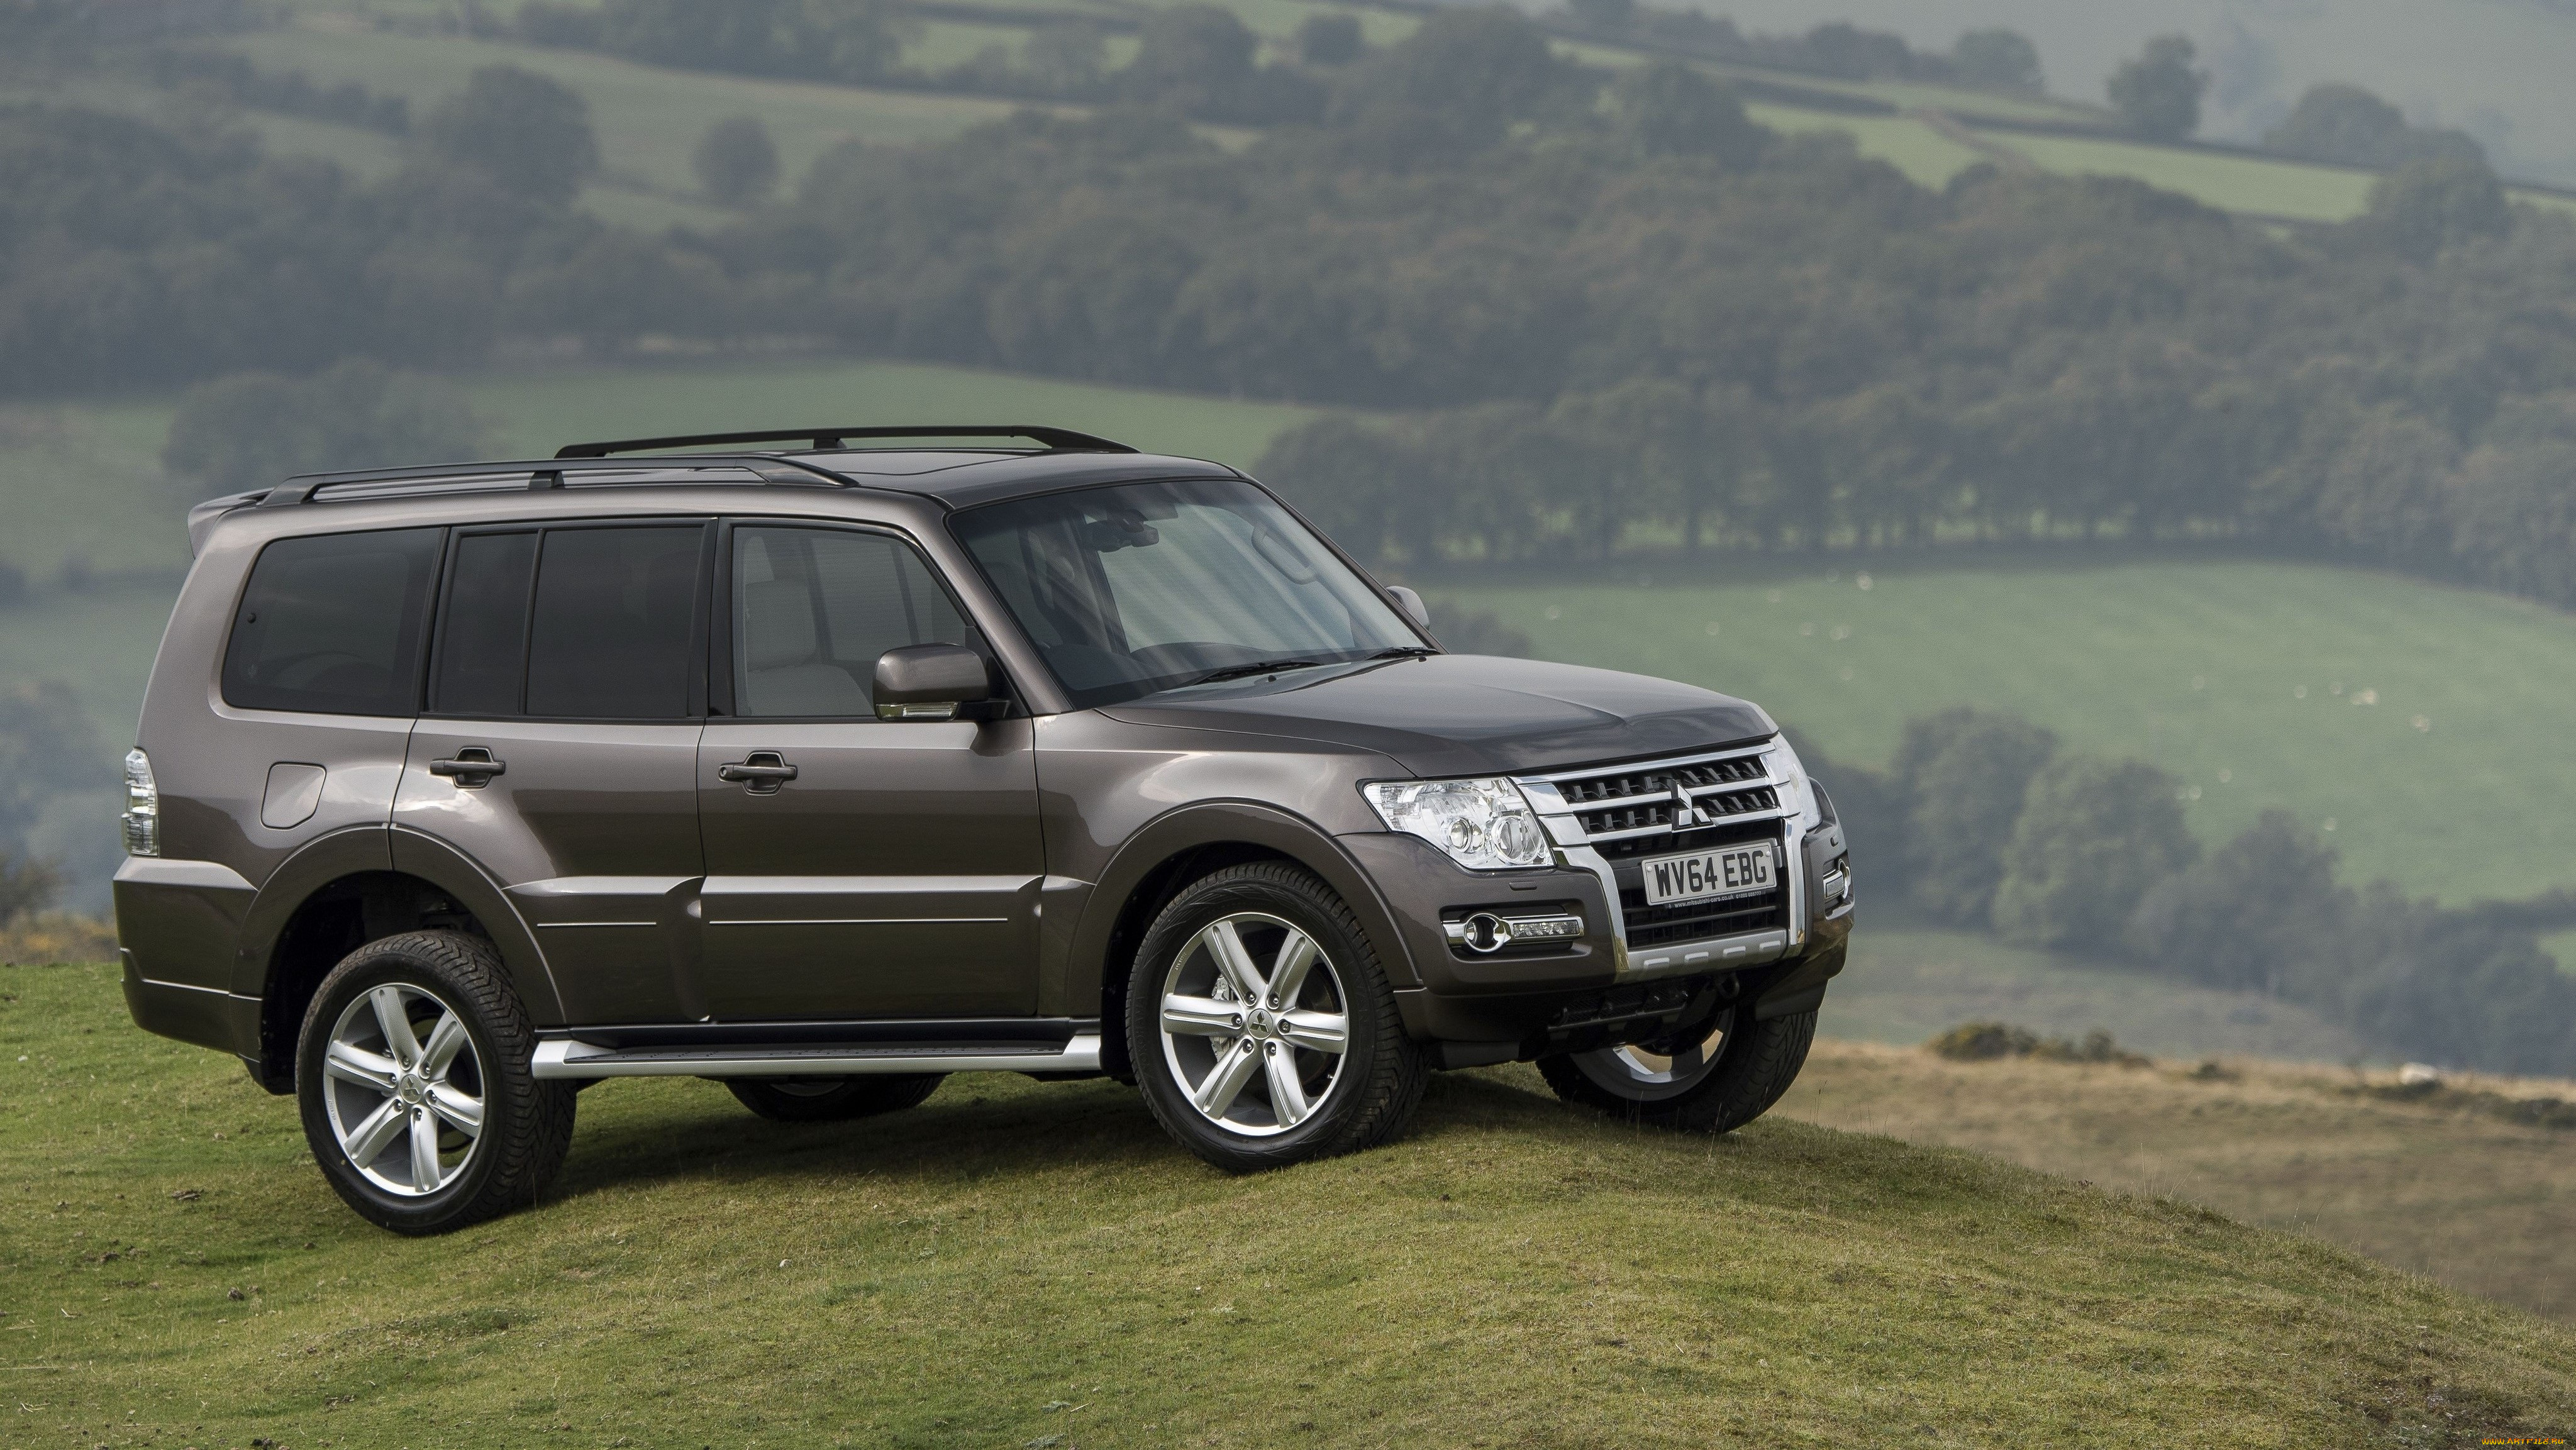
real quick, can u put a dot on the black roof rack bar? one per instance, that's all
(825, 440)
(549, 472)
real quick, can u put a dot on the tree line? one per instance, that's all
(1613, 315)
(1982, 821)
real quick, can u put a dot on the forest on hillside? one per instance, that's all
(1616, 314)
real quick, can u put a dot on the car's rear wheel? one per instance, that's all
(1712, 1078)
(1261, 1026)
(413, 1075)
(831, 1099)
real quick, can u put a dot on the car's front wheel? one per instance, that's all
(1712, 1078)
(1261, 1026)
(413, 1075)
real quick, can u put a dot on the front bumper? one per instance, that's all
(1561, 994)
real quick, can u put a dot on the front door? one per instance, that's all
(559, 749)
(856, 868)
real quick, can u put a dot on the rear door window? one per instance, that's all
(586, 623)
(612, 622)
(333, 624)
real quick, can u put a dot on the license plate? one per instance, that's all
(1740, 870)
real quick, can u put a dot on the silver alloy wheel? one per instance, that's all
(1256, 1048)
(1641, 1076)
(406, 1105)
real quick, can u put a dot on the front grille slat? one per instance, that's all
(1630, 813)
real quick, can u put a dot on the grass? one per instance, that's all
(1014, 1261)
(2417, 723)
(2430, 1186)
(1906, 984)
(2260, 185)
(1927, 157)
(648, 118)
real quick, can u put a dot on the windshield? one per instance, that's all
(1135, 588)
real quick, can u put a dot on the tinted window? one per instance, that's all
(813, 608)
(483, 630)
(333, 624)
(613, 613)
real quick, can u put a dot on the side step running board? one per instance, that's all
(567, 1058)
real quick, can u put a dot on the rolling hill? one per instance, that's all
(2415, 723)
(648, 117)
(1027, 1264)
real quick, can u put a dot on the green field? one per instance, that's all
(1906, 985)
(1035, 1265)
(2254, 184)
(2422, 723)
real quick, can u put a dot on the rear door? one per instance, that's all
(896, 872)
(559, 748)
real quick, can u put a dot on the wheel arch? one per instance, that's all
(342, 892)
(1182, 846)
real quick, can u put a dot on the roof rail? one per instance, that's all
(825, 440)
(550, 472)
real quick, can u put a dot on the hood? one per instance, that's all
(1468, 714)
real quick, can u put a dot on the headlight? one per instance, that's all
(142, 806)
(1796, 791)
(1484, 825)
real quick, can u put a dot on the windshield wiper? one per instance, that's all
(1262, 667)
(1405, 652)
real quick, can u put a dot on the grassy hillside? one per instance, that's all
(2431, 1184)
(2420, 722)
(1016, 1263)
(1906, 984)
(648, 117)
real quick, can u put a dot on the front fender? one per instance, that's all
(1216, 823)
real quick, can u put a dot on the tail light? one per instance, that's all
(142, 806)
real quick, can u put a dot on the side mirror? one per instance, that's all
(930, 682)
(1414, 608)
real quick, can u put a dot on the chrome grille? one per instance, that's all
(1611, 817)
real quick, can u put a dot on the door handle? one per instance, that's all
(760, 773)
(472, 769)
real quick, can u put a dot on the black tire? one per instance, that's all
(1753, 1065)
(525, 1124)
(1378, 1082)
(832, 1099)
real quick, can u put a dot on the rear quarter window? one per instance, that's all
(332, 624)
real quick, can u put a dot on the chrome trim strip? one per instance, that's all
(1515, 926)
(857, 920)
(1668, 762)
(571, 1058)
(1751, 949)
(559, 925)
(1584, 858)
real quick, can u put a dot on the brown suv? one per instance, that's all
(829, 770)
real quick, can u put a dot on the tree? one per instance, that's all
(1190, 58)
(2002, 60)
(2158, 93)
(1666, 108)
(1065, 58)
(2245, 917)
(848, 40)
(253, 430)
(735, 161)
(2093, 838)
(529, 132)
(1349, 478)
(2344, 123)
(47, 745)
(2422, 208)
(1453, 87)
(1960, 776)
(1329, 40)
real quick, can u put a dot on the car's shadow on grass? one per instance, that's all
(973, 1128)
